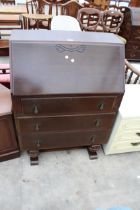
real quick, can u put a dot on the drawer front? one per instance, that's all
(65, 123)
(68, 105)
(62, 140)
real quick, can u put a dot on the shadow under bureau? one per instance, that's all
(65, 104)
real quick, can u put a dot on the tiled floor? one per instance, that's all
(68, 180)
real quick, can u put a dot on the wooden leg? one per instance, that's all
(34, 157)
(92, 151)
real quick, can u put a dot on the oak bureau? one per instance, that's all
(66, 88)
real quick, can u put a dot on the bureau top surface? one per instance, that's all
(63, 62)
(130, 105)
(5, 100)
(64, 36)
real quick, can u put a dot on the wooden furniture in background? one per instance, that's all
(135, 3)
(4, 47)
(36, 21)
(70, 8)
(11, 2)
(4, 68)
(112, 20)
(10, 16)
(89, 18)
(130, 30)
(52, 6)
(101, 4)
(13, 9)
(9, 22)
(73, 99)
(8, 142)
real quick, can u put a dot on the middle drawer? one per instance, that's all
(63, 123)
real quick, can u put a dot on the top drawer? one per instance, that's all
(66, 105)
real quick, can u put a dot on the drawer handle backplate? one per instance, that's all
(97, 123)
(37, 127)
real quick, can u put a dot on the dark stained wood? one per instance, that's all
(9, 2)
(58, 123)
(66, 139)
(4, 47)
(58, 105)
(70, 8)
(64, 122)
(135, 3)
(130, 30)
(92, 150)
(8, 142)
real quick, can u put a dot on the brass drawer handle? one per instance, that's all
(35, 109)
(92, 140)
(101, 106)
(97, 123)
(138, 134)
(37, 127)
(135, 144)
(38, 143)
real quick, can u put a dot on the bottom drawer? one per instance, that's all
(62, 140)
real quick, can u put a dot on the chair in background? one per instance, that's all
(55, 6)
(71, 8)
(34, 20)
(132, 75)
(89, 18)
(112, 20)
(32, 6)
